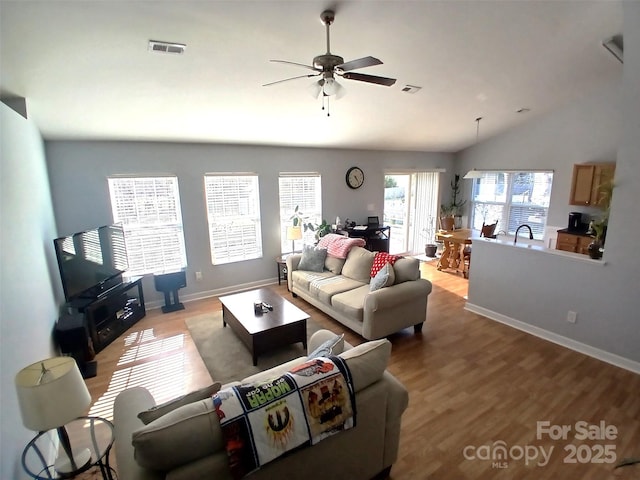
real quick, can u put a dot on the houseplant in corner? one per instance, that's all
(451, 213)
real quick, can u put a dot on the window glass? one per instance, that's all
(149, 210)
(513, 199)
(233, 213)
(302, 191)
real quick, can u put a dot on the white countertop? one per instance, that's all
(538, 246)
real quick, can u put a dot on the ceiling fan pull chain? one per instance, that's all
(328, 113)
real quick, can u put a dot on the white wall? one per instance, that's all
(79, 171)
(540, 291)
(28, 307)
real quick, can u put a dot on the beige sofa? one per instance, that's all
(186, 443)
(342, 290)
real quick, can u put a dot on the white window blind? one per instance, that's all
(233, 212)
(304, 191)
(149, 210)
(512, 198)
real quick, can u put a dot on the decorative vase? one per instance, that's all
(430, 250)
(595, 250)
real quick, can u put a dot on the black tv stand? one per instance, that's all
(111, 313)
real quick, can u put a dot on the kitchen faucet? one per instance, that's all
(524, 225)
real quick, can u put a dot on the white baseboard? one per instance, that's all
(215, 293)
(594, 352)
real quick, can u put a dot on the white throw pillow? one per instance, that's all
(385, 277)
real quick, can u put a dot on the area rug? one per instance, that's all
(226, 357)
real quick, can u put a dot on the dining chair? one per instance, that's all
(488, 231)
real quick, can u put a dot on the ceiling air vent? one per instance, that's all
(166, 47)
(410, 89)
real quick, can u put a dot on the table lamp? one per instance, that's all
(293, 234)
(51, 393)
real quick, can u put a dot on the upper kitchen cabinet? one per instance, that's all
(587, 180)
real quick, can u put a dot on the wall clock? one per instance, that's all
(355, 177)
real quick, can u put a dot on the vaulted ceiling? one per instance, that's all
(87, 73)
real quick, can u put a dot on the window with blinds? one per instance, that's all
(149, 210)
(233, 212)
(512, 198)
(304, 191)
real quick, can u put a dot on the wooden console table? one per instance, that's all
(453, 241)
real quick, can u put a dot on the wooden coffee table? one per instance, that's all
(285, 325)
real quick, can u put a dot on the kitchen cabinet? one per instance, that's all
(573, 242)
(587, 180)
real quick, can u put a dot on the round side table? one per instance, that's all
(88, 436)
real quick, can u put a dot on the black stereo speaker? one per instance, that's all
(73, 338)
(169, 283)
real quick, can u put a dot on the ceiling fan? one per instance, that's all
(328, 66)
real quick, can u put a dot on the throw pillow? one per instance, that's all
(385, 277)
(182, 436)
(313, 259)
(158, 411)
(327, 347)
(380, 259)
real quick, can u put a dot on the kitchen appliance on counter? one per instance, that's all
(575, 222)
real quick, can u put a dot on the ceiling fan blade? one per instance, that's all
(359, 63)
(296, 64)
(292, 78)
(387, 82)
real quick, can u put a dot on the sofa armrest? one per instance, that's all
(293, 261)
(393, 295)
(126, 407)
(397, 403)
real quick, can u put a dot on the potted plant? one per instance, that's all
(300, 221)
(451, 213)
(429, 233)
(598, 228)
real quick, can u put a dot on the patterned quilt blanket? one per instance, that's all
(262, 422)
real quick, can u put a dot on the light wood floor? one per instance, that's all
(473, 383)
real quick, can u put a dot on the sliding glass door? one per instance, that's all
(411, 209)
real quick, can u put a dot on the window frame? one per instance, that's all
(224, 224)
(152, 246)
(310, 207)
(505, 186)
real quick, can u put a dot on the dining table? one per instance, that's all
(453, 242)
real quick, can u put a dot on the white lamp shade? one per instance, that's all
(294, 233)
(51, 393)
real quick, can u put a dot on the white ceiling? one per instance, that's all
(86, 72)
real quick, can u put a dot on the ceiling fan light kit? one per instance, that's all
(328, 66)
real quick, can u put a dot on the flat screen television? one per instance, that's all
(91, 262)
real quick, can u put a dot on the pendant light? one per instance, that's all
(473, 173)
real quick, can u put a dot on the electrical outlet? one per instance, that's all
(572, 316)
(198, 276)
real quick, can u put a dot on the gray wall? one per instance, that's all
(28, 307)
(539, 289)
(78, 172)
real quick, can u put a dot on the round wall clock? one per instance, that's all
(355, 177)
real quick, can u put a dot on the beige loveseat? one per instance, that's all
(186, 443)
(342, 290)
